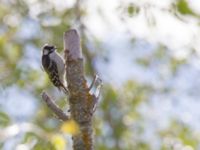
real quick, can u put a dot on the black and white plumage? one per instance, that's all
(54, 66)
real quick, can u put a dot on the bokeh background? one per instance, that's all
(147, 52)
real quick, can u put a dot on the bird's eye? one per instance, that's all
(51, 48)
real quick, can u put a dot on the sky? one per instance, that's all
(181, 102)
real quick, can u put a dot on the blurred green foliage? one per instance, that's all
(183, 8)
(4, 119)
(118, 124)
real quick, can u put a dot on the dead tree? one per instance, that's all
(82, 102)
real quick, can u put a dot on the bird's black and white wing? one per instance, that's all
(50, 66)
(60, 65)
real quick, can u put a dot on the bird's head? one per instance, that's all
(47, 49)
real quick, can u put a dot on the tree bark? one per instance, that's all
(81, 102)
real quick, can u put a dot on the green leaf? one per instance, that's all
(4, 119)
(183, 8)
(132, 10)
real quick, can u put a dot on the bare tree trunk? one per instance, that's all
(81, 102)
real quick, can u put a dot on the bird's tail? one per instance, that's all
(64, 89)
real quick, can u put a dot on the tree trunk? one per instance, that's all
(81, 101)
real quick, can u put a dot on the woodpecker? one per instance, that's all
(54, 66)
